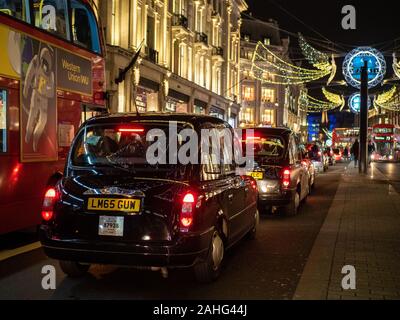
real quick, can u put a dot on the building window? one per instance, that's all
(248, 93)
(114, 23)
(268, 117)
(3, 121)
(267, 41)
(246, 38)
(52, 16)
(268, 95)
(190, 62)
(121, 96)
(246, 116)
(208, 75)
(182, 60)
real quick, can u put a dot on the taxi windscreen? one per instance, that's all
(266, 146)
(126, 147)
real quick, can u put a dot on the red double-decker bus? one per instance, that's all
(386, 139)
(52, 73)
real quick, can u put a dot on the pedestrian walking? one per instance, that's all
(346, 153)
(355, 152)
(371, 149)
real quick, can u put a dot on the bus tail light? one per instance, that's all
(286, 178)
(187, 211)
(50, 199)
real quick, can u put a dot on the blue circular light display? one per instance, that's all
(355, 102)
(354, 61)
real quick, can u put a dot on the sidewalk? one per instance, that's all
(362, 229)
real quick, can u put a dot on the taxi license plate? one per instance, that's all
(256, 175)
(114, 204)
(111, 226)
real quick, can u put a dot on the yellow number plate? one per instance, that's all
(256, 175)
(113, 204)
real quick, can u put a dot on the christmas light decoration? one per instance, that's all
(388, 100)
(313, 105)
(396, 66)
(354, 61)
(386, 96)
(267, 67)
(318, 59)
(334, 98)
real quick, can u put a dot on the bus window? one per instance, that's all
(84, 27)
(52, 16)
(15, 8)
(3, 121)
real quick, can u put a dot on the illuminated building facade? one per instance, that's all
(263, 103)
(189, 57)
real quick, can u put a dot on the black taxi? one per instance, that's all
(114, 206)
(283, 179)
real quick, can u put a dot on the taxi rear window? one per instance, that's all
(265, 145)
(126, 147)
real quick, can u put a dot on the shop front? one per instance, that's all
(147, 96)
(176, 102)
(217, 112)
(199, 107)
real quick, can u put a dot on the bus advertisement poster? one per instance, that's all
(38, 114)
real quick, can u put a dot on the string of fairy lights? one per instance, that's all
(269, 68)
(388, 100)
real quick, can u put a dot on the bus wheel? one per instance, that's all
(74, 269)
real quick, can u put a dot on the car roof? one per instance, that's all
(194, 119)
(272, 131)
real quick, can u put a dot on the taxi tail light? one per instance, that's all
(187, 210)
(286, 178)
(50, 199)
(253, 184)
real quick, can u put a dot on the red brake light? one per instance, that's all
(47, 215)
(188, 198)
(187, 210)
(131, 130)
(286, 178)
(50, 198)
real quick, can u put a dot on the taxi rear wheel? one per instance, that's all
(74, 269)
(292, 208)
(208, 270)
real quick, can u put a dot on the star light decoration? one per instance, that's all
(388, 100)
(268, 67)
(312, 105)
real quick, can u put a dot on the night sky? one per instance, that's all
(377, 21)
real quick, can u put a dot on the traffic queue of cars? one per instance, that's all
(114, 207)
